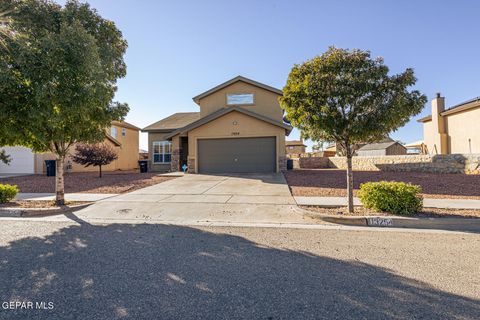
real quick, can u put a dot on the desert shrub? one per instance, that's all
(394, 197)
(7, 192)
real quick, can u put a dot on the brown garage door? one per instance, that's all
(237, 155)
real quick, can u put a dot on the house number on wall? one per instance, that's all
(235, 133)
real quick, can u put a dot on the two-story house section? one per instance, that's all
(239, 129)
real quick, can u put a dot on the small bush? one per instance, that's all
(393, 197)
(7, 192)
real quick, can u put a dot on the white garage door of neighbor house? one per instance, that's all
(22, 160)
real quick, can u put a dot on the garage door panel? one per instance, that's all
(237, 155)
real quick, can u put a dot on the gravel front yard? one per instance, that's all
(332, 182)
(88, 182)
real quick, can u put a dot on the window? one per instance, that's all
(124, 132)
(290, 147)
(113, 132)
(162, 151)
(239, 99)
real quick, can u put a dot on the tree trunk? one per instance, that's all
(349, 182)
(100, 172)
(59, 185)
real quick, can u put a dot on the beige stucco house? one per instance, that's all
(295, 147)
(452, 130)
(239, 128)
(123, 137)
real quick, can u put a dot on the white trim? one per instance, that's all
(163, 144)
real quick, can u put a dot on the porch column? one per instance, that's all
(175, 161)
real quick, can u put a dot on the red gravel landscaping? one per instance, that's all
(332, 182)
(88, 182)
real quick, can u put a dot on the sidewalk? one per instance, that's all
(427, 202)
(68, 196)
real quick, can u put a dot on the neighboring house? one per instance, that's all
(294, 147)
(239, 128)
(330, 151)
(142, 154)
(123, 137)
(387, 147)
(417, 147)
(452, 130)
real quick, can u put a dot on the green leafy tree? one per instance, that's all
(348, 97)
(96, 155)
(58, 78)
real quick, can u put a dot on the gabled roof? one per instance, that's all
(173, 122)
(224, 111)
(425, 119)
(113, 140)
(470, 104)
(414, 144)
(125, 124)
(464, 106)
(231, 81)
(294, 143)
(377, 146)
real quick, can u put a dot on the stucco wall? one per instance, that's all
(460, 128)
(452, 163)
(236, 125)
(290, 150)
(156, 136)
(265, 102)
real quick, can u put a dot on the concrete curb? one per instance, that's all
(454, 224)
(25, 212)
(332, 202)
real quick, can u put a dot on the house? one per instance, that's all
(294, 147)
(386, 147)
(238, 129)
(452, 130)
(142, 154)
(123, 137)
(416, 147)
(330, 151)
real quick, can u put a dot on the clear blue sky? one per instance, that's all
(178, 49)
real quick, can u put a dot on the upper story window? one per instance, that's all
(124, 132)
(237, 99)
(113, 132)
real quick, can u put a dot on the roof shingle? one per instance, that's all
(175, 121)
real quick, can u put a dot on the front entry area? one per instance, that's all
(237, 155)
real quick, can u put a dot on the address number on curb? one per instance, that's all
(380, 222)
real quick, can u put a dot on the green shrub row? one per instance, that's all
(7, 192)
(394, 197)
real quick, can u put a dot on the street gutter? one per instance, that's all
(453, 224)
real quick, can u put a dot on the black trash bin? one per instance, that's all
(50, 164)
(143, 165)
(289, 164)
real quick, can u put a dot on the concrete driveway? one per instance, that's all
(249, 198)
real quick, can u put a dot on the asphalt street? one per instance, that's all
(76, 270)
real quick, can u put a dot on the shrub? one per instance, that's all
(393, 197)
(7, 192)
